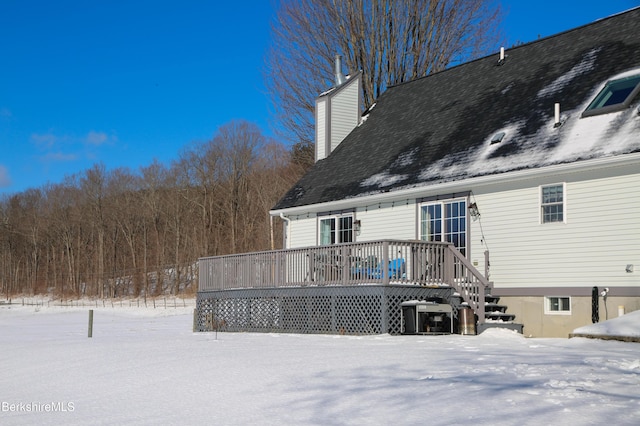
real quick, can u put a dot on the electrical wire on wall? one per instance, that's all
(475, 214)
(483, 239)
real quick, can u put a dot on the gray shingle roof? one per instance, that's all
(438, 128)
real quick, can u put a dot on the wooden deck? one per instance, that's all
(385, 262)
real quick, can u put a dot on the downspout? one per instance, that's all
(288, 235)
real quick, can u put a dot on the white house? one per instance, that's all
(531, 155)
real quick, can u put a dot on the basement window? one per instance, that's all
(616, 96)
(557, 305)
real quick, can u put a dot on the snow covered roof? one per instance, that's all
(440, 128)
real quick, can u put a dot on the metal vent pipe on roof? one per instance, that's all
(556, 111)
(340, 78)
(501, 60)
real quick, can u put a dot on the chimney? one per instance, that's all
(339, 77)
(337, 111)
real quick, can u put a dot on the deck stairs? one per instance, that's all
(495, 316)
(494, 311)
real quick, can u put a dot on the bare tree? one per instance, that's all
(197, 172)
(391, 41)
(94, 188)
(239, 142)
(274, 172)
(154, 186)
(65, 229)
(129, 220)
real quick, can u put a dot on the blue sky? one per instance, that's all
(123, 82)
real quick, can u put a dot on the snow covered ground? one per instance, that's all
(623, 326)
(145, 366)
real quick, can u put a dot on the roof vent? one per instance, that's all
(339, 77)
(638, 110)
(501, 59)
(497, 138)
(556, 114)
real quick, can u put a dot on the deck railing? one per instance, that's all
(377, 262)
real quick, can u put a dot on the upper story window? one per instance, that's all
(616, 96)
(336, 229)
(552, 203)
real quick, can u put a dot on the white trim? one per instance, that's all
(547, 305)
(564, 203)
(338, 230)
(462, 185)
(443, 218)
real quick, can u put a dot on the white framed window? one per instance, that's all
(552, 200)
(557, 305)
(445, 220)
(335, 229)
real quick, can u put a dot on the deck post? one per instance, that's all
(448, 266)
(384, 268)
(276, 268)
(486, 264)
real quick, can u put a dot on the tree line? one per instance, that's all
(113, 233)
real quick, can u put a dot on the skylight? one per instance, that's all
(497, 138)
(616, 96)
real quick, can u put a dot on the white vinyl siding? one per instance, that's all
(378, 222)
(387, 221)
(321, 137)
(587, 251)
(344, 112)
(303, 231)
(337, 113)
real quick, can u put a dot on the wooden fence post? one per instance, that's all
(90, 322)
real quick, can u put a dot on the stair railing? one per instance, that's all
(467, 280)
